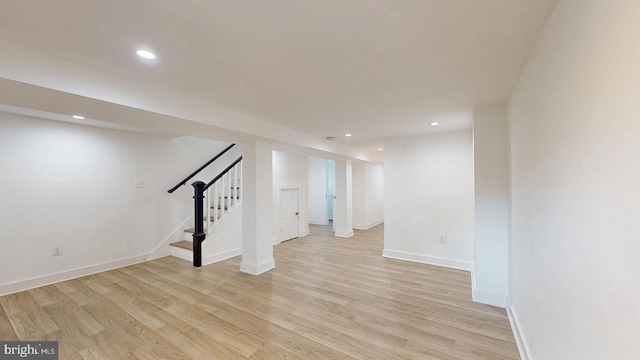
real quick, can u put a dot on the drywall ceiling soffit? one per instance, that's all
(373, 68)
(29, 100)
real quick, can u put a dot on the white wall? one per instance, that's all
(428, 191)
(359, 178)
(368, 195)
(73, 185)
(225, 241)
(575, 172)
(375, 195)
(318, 191)
(290, 169)
(343, 202)
(257, 208)
(491, 166)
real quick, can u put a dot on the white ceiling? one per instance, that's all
(374, 68)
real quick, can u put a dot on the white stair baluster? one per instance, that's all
(216, 192)
(208, 205)
(222, 179)
(233, 187)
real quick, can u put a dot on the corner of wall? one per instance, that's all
(369, 225)
(305, 232)
(523, 347)
(489, 297)
(211, 259)
(344, 234)
(484, 296)
(259, 269)
(429, 260)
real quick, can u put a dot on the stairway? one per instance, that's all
(214, 203)
(218, 211)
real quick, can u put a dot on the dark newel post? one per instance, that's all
(198, 234)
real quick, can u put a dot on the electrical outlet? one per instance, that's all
(57, 250)
(443, 238)
(139, 183)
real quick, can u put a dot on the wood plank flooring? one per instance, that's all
(327, 298)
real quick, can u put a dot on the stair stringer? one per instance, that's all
(224, 240)
(164, 248)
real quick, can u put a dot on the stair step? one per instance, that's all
(184, 244)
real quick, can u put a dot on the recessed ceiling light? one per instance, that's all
(79, 117)
(379, 149)
(146, 54)
(347, 134)
(434, 123)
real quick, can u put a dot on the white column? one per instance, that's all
(343, 215)
(257, 208)
(491, 163)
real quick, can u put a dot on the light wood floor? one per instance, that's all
(328, 298)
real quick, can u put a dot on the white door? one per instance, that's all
(289, 214)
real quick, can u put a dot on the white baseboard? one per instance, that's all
(304, 233)
(276, 241)
(257, 269)
(344, 234)
(211, 259)
(35, 282)
(425, 259)
(369, 225)
(318, 222)
(161, 250)
(523, 348)
(484, 296)
(489, 297)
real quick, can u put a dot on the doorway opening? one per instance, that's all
(330, 191)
